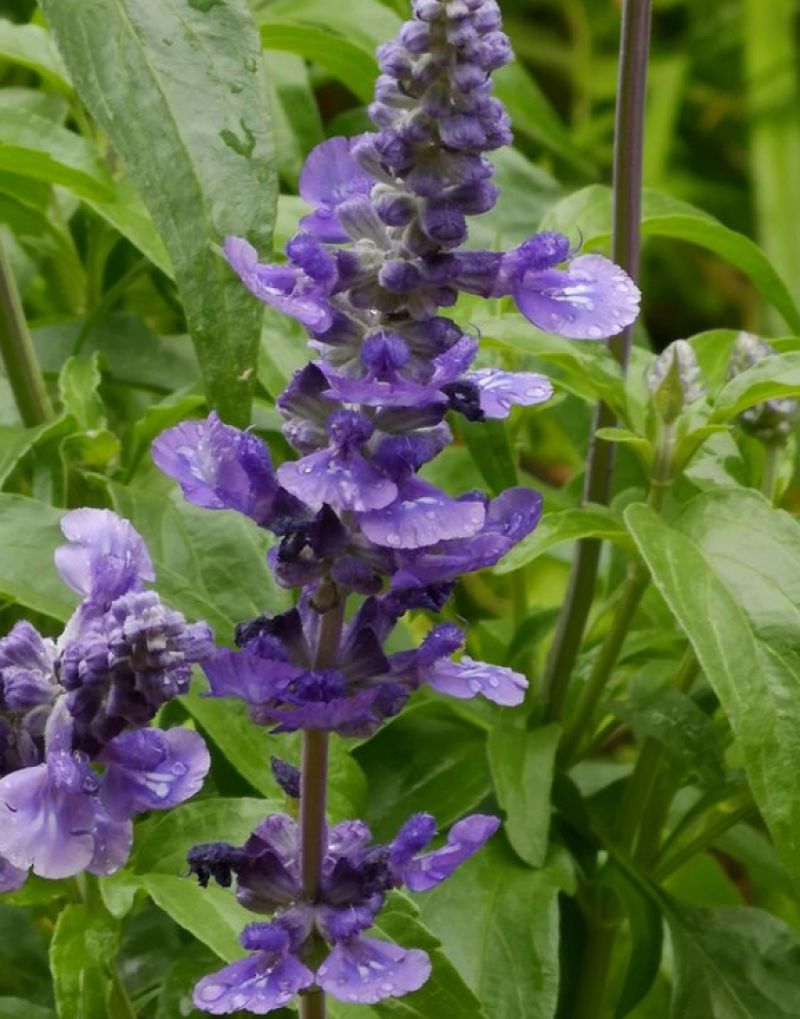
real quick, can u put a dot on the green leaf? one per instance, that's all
(82, 954)
(740, 611)
(179, 90)
(31, 46)
(341, 58)
(675, 720)
(29, 535)
(773, 378)
(211, 914)
(489, 444)
(567, 525)
(38, 148)
(522, 763)
(16, 1008)
(733, 963)
(366, 22)
(14, 444)
(506, 945)
(432, 759)
(646, 936)
(209, 565)
(126, 212)
(298, 125)
(589, 211)
(78, 387)
(624, 436)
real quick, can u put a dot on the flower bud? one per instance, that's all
(675, 381)
(773, 420)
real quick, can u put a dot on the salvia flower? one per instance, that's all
(356, 878)
(77, 760)
(774, 420)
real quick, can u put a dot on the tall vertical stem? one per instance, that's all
(16, 348)
(314, 788)
(628, 160)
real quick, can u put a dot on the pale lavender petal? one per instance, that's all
(259, 984)
(380, 393)
(286, 288)
(27, 668)
(468, 678)
(11, 878)
(47, 819)
(248, 676)
(112, 844)
(422, 516)
(106, 557)
(499, 391)
(590, 300)
(345, 838)
(454, 362)
(463, 841)
(343, 482)
(150, 769)
(365, 971)
(331, 174)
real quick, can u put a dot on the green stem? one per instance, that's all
(773, 454)
(314, 786)
(628, 160)
(636, 805)
(16, 347)
(581, 719)
(107, 302)
(702, 842)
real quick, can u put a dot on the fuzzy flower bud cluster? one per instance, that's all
(77, 758)
(675, 381)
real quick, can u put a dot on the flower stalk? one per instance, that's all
(22, 368)
(628, 163)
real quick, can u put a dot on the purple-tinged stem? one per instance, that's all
(314, 789)
(628, 161)
(22, 368)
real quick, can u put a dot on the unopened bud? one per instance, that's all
(770, 421)
(675, 381)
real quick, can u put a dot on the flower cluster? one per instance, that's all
(374, 263)
(356, 877)
(773, 420)
(77, 759)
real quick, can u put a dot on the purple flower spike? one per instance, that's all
(590, 300)
(149, 769)
(365, 971)
(286, 288)
(259, 984)
(468, 678)
(464, 840)
(219, 467)
(106, 557)
(331, 176)
(47, 816)
(499, 391)
(11, 878)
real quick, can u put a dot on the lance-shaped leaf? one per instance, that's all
(729, 568)
(179, 90)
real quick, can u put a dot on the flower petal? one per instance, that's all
(46, 819)
(112, 844)
(422, 516)
(499, 391)
(11, 877)
(463, 841)
(150, 769)
(468, 678)
(590, 300)
(343, 482)
(106, 557)
(249, 676)
(259, 984)
(365, 971)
